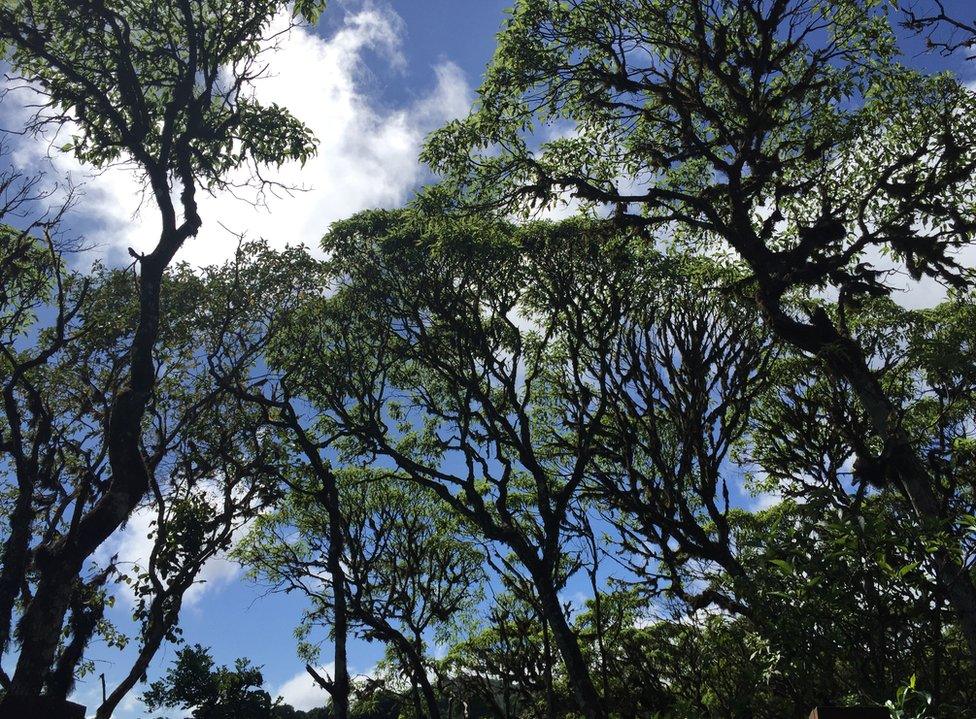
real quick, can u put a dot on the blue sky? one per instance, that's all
(372, 80)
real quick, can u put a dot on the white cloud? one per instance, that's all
(303, 693)
(367, 155)
(133, 545)
(764, 500)
(916, 294)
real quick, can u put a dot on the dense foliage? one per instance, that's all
(681, 455)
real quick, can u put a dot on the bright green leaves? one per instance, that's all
(644, 88)
(194, 681)
(271, 135)
(310, 10)
(733, 122)
(29, 269)
(910, 702)
(167, 85)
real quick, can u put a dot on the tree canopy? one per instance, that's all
(684, 452)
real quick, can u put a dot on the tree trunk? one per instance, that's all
(412, 659)
(58, 566)
(547, 658)
(40, 629)
(428, 693)
(150, 645)
(329, 498)
(16, 553)
(426, 689)
(415, 696)
(576, 668)
(340, 694)
(598, 619)
(84, 622)
(845, 361)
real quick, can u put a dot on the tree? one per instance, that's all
(501, 669)
(406, 574)
(164, 86)
(848, 609)
(420, 357)
(809, 438)
(209, 468)
(943, 32)
(622, 633)
(194, 682)
(222, 467)
(681, 372)
(784, 131)
(240, 366)
(31, 273)
(529, 375)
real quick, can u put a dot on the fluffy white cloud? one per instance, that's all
(303, 693)
(133, 545)
(367, 155)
